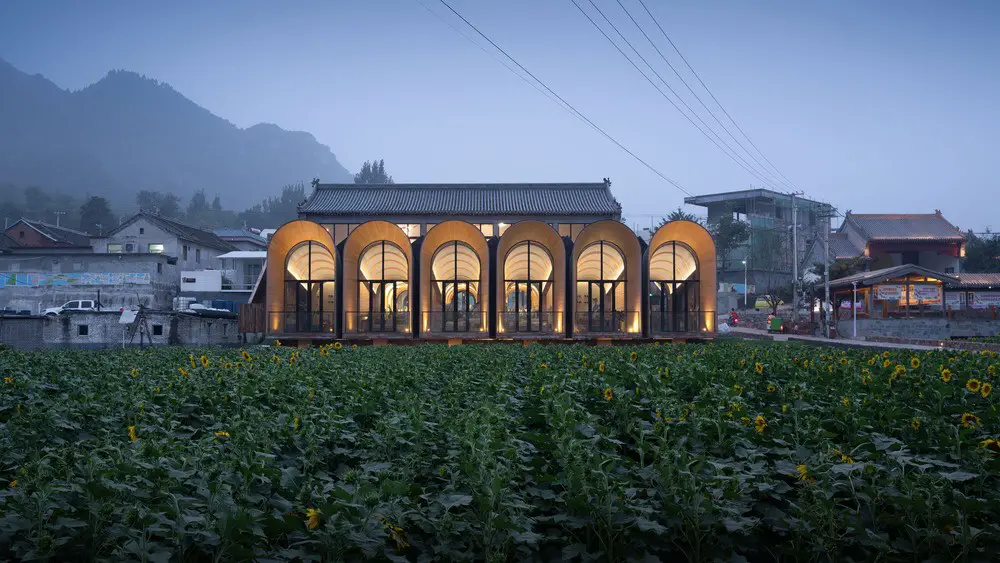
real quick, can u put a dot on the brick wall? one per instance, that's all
(921, 329)
(102, 330)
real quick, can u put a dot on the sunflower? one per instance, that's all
(886, 364)
(973, 385)
(194, 364)
(846, 401)
(312, 518)
(204, 361)
(600, 367)
(131, 434)
(872, 361)
(992, 370)
(337, 345)
(885, 354)
(759, 424)
(743, 363)
(8, 380)
(758, 367)
(986, 389)
(135, 372)
(184, 372)
(13, 484)
(990, 444)
(295, 423)
(970, 420)
(915, 424)
(246, 355)
(277, 343)
(843, 361)
(784, 408)
(222, 434)
(354, 346)
(544, 366)
(946, 375)
(914, 362)
(666, 373)
(771, 388)
(322, 351)
(633, 356)
(609, 394)
(803, 472)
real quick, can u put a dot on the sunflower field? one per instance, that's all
(732, 451)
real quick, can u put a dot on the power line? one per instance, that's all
(700, 101)
(731, 153)
(716, 100)
(564, 104)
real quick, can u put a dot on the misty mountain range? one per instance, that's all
(127, 133)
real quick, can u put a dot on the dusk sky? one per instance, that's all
(887, 106)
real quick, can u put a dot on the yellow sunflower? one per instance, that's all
(758, 367)
(803, 472)
(771, 388)
(204, 361)
(986, 389)
(914, 362)
(992, 445)
(915, 423)
(970, 420)
(759, 424)
(131, 434)
(609, 394)
(973, 385)
(634, 356)
(337, 345)
(886, 364)
(946, 375)
(312, 518)
(600, 367)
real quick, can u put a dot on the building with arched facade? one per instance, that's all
(482, 261)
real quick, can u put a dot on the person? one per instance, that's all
(733, 317)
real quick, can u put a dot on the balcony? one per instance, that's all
(454, 323)
(302, 322)
(378, 323)
(530, 323)
(606, 323)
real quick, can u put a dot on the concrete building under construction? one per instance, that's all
(769, 249)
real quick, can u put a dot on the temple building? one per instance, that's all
(481, 261)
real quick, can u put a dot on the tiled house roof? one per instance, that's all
(60, 236)
(462, 199)
(841, 247)
(180, 230)
(7, 243)
(977, 281)
(239, 234)
(903, 227)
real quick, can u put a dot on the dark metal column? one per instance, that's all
(570, 300)
(493, 244)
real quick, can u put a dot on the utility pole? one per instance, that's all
(795, 259)
(826, 271)
(58, 215)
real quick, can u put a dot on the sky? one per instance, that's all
(875, 107)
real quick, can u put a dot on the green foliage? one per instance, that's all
(679, 215)
(96, 216)
(729, 234)
(167, 205)
(373, 172)
(982, 253)
(498, 453)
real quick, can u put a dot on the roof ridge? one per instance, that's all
(473, 185)
(60, 227)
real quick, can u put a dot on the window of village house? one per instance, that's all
(155, 248)
(157, 330)
(197, 255)
(114, 249)
(185, 257)
(20, 234)
(159, 268)
(82, 330)
(142, 230)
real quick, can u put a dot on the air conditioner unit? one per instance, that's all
(129, 247)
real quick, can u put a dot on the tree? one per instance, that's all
(982, 253)
(679, 215)
(728, 234)
(275, 211)
(373, 173)
(96, 217)
(166, 205)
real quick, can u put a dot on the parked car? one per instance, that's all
(763, 302)
(83, 305)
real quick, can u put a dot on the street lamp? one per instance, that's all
(745, 288)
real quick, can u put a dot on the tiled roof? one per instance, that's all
(60, 235)
(841, 247)
(462, 199)
(971, 281)
(178, 229)
(6, 243)
(877, 276)
(239, 233)
(903, 227)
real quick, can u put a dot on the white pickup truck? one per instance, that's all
(83, 305)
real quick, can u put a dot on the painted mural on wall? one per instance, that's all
(18, 279)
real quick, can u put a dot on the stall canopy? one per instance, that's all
(887, 274)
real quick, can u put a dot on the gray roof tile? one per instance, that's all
(901, 227)
(462, 199)
(841, 247)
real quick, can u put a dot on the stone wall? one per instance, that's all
(921, 328)
(159, 294)
(102, 330)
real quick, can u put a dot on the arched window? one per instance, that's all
(310, 302)
(383, 289)
(528, 289)
(600, 288)
(673, 289)
(455, 297)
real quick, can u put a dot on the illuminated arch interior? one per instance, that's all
(309, 260)
(528, 260)
(455, 261)
(601, 261)
(385, 261)
(673, 261)
(674, 302)
(455, 298)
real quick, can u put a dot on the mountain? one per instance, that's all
(127, 133)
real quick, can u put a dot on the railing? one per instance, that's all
(605, 322)
(378, 322)
(454, 322)
(530, 322)
(301, 322)
(673, 322)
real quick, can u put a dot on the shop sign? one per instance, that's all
(886, 292)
